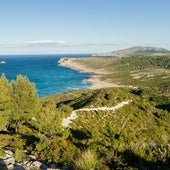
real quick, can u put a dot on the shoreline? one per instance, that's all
(96, 74)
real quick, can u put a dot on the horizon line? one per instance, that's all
(47, 54)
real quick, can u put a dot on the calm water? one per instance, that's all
(44, 72)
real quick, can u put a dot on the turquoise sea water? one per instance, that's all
(44, 72)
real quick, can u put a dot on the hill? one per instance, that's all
(137, 50)
(108, 128)
(132, 136)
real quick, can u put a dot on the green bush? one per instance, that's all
(56, 150)
(19, 155)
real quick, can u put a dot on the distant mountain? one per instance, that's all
(137, 50)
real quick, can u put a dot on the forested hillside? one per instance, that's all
(132, 136)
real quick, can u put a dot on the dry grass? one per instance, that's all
(88, 160)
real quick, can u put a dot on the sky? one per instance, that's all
(82, 26)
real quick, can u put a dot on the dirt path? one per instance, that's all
(73, 116)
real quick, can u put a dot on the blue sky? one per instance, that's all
(82, 26)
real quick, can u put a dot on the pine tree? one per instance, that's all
(48, 121)
(26, 101)
(5, 102)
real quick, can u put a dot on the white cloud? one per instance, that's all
(41, 42)
(61, 46)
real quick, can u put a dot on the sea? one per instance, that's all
(43, 70)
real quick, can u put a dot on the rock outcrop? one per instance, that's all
(8, 162)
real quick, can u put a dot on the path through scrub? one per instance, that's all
(67, 121)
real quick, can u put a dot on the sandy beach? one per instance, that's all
(96, 74)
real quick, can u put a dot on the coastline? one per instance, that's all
(96, 74)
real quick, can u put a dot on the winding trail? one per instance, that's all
(73, 116)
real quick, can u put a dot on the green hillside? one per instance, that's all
(115, 128)
(138, 71)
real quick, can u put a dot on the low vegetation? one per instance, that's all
(87, 160)
(135, 136)
(145, 71)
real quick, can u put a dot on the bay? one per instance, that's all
(44, 71)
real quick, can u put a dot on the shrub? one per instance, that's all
(56, 150)
(19, 153)
(2, 154)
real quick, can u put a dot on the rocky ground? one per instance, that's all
(8, 162)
